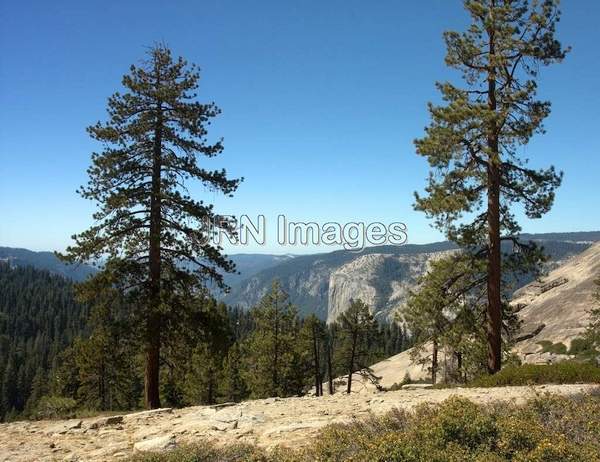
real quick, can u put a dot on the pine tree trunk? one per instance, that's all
(330, 368)
(434, 362)
(351, 364)
(151, 376)
(494, 313)
(494, 309)
(151, 379)
(275, 378)
(459, 359)
(316, 363)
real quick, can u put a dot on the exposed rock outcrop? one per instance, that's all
(560, 302)
(555, 309)
(324, 283)
(290, 422)
(383, 281)
(158, 444)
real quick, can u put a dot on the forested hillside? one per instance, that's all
(45, 261)
(246, 264)
(38, 319)
(58, 356)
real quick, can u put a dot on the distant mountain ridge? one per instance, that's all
(45, 261)
(323, 283)
(246, 264)
(382, 275)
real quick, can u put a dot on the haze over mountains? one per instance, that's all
(324, 283)
(247, 264)
(45, 261)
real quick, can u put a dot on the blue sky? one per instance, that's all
(321, 102)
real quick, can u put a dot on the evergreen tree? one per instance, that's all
(107, 373)
(173, 393)
(330, 344)
(194, 355)
(38, 318)
(205, 374)
(242, 323)
(357, 328)
(427, 318)
(64, 376)
(435, 309)
(392, 336)
(156, 238)
(11, 395)
(312, 336)
(472, 144)
(271, 356)
(448, 310)
(233, 387)
(39, 388)
(106, 357)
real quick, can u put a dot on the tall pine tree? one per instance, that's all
(357, 329)
(474, 140)
(233, 387)
(155, 237)
(271, 356)
(312, 336)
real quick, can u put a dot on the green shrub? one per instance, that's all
(460, 421)
(398, 386)
(534, 374)
(205, 452)
(583, 348)
(55, 407)
(556, 348)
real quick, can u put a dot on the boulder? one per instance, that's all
(146, 414)
(228, 415)
(552, 284)
(158, 444)
(104, 422)
(416, 386)
(64, 427)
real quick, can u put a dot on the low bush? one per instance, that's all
(206, 452)
(51, 407)
(407, 381)
(584, 348)
(546, 429)
(534, 374)
(55, 407)
(556, 348)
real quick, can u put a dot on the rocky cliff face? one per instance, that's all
(383, 281)
(556, 309)
(382, 276)
(305, 279)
